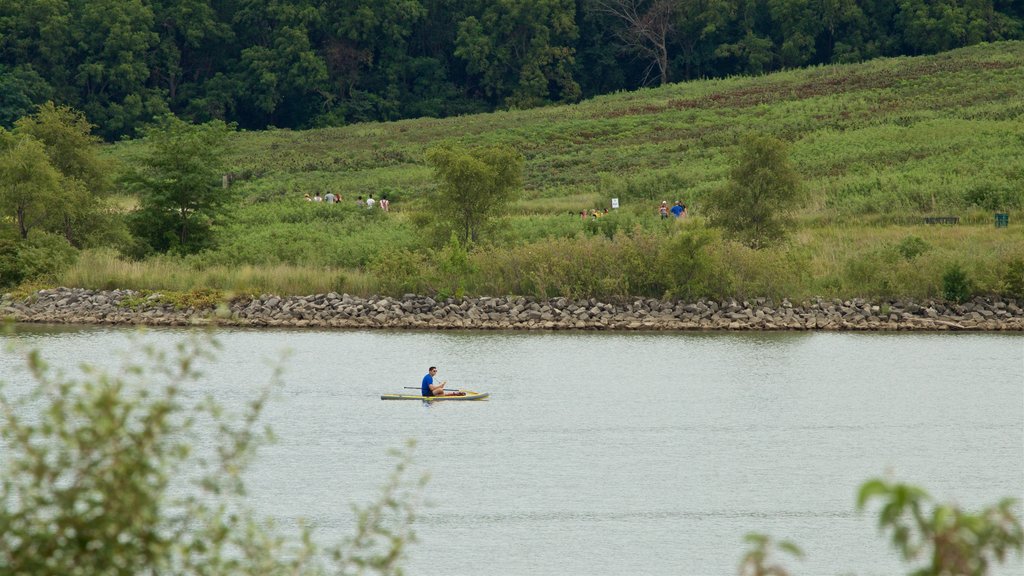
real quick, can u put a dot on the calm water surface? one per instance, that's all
(617, 453)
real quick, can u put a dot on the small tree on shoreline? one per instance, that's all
(28, 181)
(179, 185)
(756, 205)
(474, 185)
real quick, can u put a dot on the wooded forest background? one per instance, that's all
(311, 63)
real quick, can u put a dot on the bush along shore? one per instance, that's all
(129, 307)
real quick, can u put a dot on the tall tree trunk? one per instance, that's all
(20, 217)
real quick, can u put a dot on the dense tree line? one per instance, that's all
(303, 63)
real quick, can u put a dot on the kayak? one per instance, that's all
(470, 395)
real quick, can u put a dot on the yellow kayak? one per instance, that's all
(469, 395)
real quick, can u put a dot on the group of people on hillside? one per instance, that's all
(369, 202)
(677, 210)
(593, 214)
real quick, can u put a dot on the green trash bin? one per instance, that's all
(1002, 220)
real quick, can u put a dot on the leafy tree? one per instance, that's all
(179, 185)
(762, 192)
(35, 35)
(955, 542)
(74, 152)
(21, 89)
(697, 25)
(599, 65)
(298, 63)
(522, 51)
(194, 44)
(473, 187)
(283, 80)
(99, 476)
(752, 53)
(936, 25)
(110, 67)
(29, 184)
(368, 52)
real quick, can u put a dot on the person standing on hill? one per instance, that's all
(663, 209)
(677, 209)
(370, 201)
(385, 204)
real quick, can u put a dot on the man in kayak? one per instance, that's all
(428, 388)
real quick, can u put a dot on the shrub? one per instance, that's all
(911, 247)
(41, 256)
(1013, 279)
(400, 271)
(685, 264)
(453, 269)
(956, 285)
(613, 223)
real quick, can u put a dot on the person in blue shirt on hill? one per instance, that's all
(429, 388)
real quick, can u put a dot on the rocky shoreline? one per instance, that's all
(128, 307)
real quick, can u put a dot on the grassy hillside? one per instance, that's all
(879, 145)
(888, 134)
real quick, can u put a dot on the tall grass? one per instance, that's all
(104, 270)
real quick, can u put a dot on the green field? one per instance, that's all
(879, 146)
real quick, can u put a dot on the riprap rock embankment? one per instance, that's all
(80, 306)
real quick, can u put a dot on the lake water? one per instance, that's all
(617, 453)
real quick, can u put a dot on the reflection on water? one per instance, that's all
(603, 453)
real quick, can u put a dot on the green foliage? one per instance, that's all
(743, 272)
(615, 222)
(454, 268)
(29, 183)
(179, 185)
(687, 266)
(79, 212)
(953, 541)
(197, 299)
(300, 63)
(114, 453)
(1012, 277)
(474, 186)
(41, 256)
(590, 266)
(522, 54)
(763, 191)
(911, 247)
(956, 284)
(879, 145)
(399, 272)
(21, 89)
(292, 231)
(757, 561)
